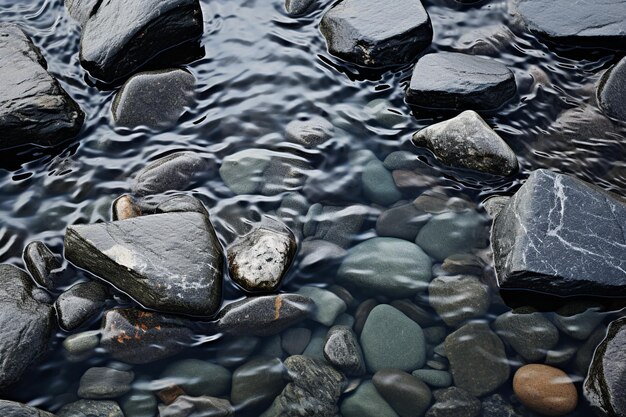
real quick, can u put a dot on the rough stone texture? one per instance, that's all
(120, 37)
(40, 262)
(531, 335)
(490, 40)
(263, 316)
(494, 205)
(561, 236)
(343, 351)
(477, 359)
(298, 7)
(80, 303)
(257, 383)
(599, 23)
(466, 141)
(13, 409)
(25, 325)
(136, 336)
(125, 207)
(449, 80)
(606, 382)
(311, 132)
(259, 260)
(34, 108)
(336, 224)
(203, 406)
(546, 390)
(358, 31)
(169, 262)
(176, 171)
(612, 89)
(81, 10)
(458, 298)
(496, 406)
(103, 383)
(407, 395)
(454, 402)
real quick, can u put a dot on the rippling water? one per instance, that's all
(263, 69)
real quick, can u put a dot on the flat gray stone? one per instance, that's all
(175, 171)
(197, 378)
(358, 31)
(101, 383)
(611, 90)
(169, 262)
(80, 303)
(295, 340)
(366, 401)
(433, 377)
(531, 335)
(13, 409)
(449, 80)
(91, 408)
(561, 236)
(459, 298)
(466, 141)
(402, 222)
(378, 185)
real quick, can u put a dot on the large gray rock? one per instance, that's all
(605, 385)
(562, 236)
(34, 108)
(25, 325)
(611, 91)
(169, 262)
(466, 141)
(449, 80)
(13, 409)
(360, 32)
(121, 36)
(599, 23)
(175, 171)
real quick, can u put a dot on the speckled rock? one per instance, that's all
(611, 89)
(91, 408)
(343, 351)
(458, 298)
(101, 383)
(81, 10)
(176, 171)
(185, 406)
(298, 7)
(454, 402)
(531, 335)
(546, 390)
(311, 132)
(13, 409)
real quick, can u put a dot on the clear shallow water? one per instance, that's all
(263, 69)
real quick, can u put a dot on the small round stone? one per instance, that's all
(545, 390)
(407, 395)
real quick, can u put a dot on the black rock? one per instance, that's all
(257, 383)
(407, 395)
(34, 108)
(605, 385)
(449, 80)
(13, 409)
(40, 262)
(82, 10)
(155, 99)
(587, 23)
(298, 7)
(496, 406)
(104, 383)
(25, 325)
(176, 171)
(343, 351)
(359, 31)
(122, 36)
(137, 336)
(403, 222)
(561, 236)
(80, 303)
(170, 262)
(611, 91)
(454, 402)
(263, 316)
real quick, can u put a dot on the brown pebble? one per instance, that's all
(168, 395)
(545, 390)
(125, 208)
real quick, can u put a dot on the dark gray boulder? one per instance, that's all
(559, 235)
(359, 31)
(605, 385)
(34, 108)
(599, 23)
(466, 141)
(408, 396)
(449, 80)
(25, 325)
(40, 262)
(121, 36)
(169, 262)
(175, 171)
(256, 383)
(13, 409)
(91, 408)
(82, 10)
(103, 383)
(80, 303)
(611, 91)
(155, 99)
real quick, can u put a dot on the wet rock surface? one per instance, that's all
(14, 409)
(454, 402)
(366, 401)
(342, 350)
(80, 303)
(34, 108)
(89, 408)
(257, 383)
(611, 89)
(407, 395)
(545, 389)
(458, 298)
(176, 171)
(104, 383)
(531, 335)
(40, 263)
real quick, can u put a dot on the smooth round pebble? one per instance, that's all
(545, 390)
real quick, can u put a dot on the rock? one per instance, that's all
(205, 406)
(80, 343)
(599, 24)
(466, 141)
(402, 160)
(388, 266)
(257, 383)
(489, 40)
(363, 311)
(136, 336)
(359, 32)
(416, 313)
(25, 325)
(312, 132)
(561, 236)
(169, 262)
(366, 402)
(81, 10)
(139, 404)
(458, 298)
(259, 260)
(265, 315)
(34, 108)
(234, 351)
(155, 99)
(13, 409)
(530, 335)
(579, 325)
(295, 340)
(477, 359)
(496, 406)
(391, 340)
(463, 263)
(606, 382)
(342, 350)
(494, 205)
(91, 408)
(314, 390)
(584, 355)
(40, 263)
(611, 88)
(315, 348)
(335, 224)
(545, 390)
(453, 233)
(454, 402)
(449, 80)
(561, 355)
(197, 377)
(407, 396)
(433, 377)
(298, 7)
(327, 305)
(118, 39)
(176, 171)
(402, 222)
(378, 185)
(383, 112)
(104, 383)
(124, 207)
(80, 303)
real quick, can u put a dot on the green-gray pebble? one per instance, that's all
(366, 402)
